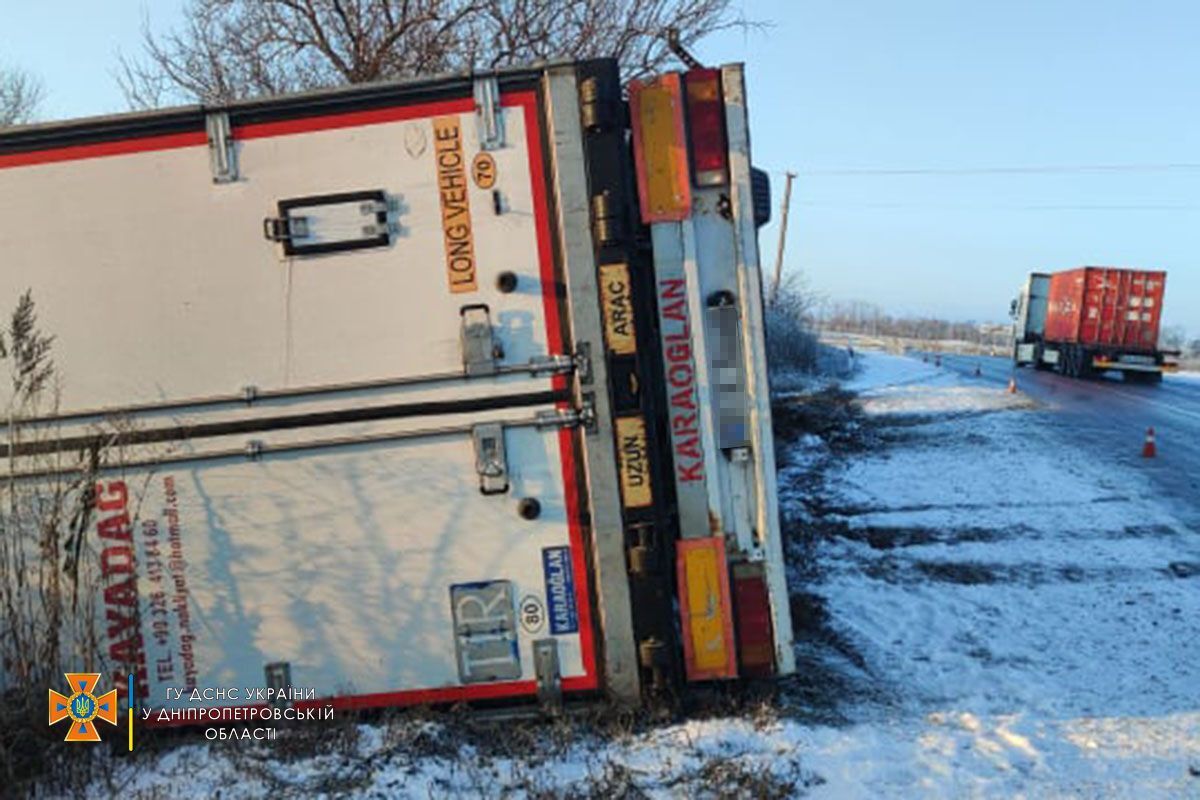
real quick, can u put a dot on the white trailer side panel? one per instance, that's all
(158, 284)
(342, 564)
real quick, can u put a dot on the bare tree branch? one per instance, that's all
(20, 96)
(230, 49)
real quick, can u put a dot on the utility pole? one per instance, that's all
(783, 217)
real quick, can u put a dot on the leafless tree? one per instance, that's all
(229, 49)
(792, 342)
(20, 96)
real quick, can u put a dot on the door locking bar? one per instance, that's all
(250, 395)
(258, 450)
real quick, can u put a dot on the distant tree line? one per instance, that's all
(1176, 337)
(856, 316)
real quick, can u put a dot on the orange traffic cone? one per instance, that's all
(1012, 385)
(1149, 450)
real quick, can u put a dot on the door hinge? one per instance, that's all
(222, 152)
(491, 461)
(645, 557)
(597, 109)
(489, 116)
(608, 218)
(655, 657)
(549, 675)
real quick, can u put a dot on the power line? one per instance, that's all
(1000, 206)
(1045, 169)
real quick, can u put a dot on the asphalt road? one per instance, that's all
(1107, 420)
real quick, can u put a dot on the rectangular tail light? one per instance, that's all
(706, 128)
(752, 610)
(660, 149)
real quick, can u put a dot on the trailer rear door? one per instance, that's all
(333, 333)
(1106, 307)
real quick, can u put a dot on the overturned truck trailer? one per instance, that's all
(426, 392)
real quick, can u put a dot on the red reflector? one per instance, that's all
(752, 609)
(706, 128)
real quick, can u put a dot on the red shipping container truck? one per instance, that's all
(1090, 320)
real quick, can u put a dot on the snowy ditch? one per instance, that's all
(979, 613)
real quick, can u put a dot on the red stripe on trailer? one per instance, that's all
(80, 152)
(351, 119)
(256, 130)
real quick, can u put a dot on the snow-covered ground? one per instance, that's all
(1014, 620)
(1034, 616)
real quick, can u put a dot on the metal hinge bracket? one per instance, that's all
(583, 362)
(549, 675)
(489, 116)
(586, 415)
(491, 462)
(222, 152)
(566, 419)
(479, 348)
(279, 677)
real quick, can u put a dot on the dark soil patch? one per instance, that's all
(1185, 569)
(831, 673)
(967, 573)
(830, 414)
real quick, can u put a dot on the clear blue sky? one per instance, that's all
(927, 85)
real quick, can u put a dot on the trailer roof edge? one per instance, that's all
(132, 124)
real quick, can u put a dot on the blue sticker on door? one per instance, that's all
(560, 590)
